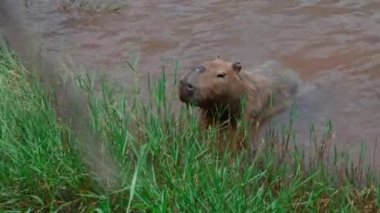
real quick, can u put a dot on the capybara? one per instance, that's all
(226, 92)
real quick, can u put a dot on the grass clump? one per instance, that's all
(37, 169)
(167, 164)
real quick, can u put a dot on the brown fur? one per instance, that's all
(225, 92)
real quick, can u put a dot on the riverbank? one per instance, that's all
(163, 161)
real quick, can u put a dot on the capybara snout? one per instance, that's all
(186, 91)
(189, 82)
(188, 85)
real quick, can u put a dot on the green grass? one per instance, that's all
(165, 162)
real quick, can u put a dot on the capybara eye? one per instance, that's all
(221, 75)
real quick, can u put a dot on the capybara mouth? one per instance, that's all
(185, 95)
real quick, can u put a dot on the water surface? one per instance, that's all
(334, 45)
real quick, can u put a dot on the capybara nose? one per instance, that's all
(189, 87)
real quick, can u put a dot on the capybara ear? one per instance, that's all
(236, 66)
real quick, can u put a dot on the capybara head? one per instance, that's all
(212, 83)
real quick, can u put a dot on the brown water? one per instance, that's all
(334, 45)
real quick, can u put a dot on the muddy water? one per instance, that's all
(334, 45)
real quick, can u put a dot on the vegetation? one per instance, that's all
(92, 7)
(165, 163)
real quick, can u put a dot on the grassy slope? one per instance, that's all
(164, 160)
